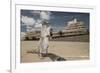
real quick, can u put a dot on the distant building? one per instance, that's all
(75, 27)
(23, 35)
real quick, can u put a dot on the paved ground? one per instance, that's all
(58, 51)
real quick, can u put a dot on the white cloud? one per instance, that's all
(38, 24)
(33, 24)
(27, 20)
(45, 15)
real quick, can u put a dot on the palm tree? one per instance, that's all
(60, 33)
(51, 32)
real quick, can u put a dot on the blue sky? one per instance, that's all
(57, 20)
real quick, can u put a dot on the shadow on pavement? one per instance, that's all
(52, 56)
(55, 57)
